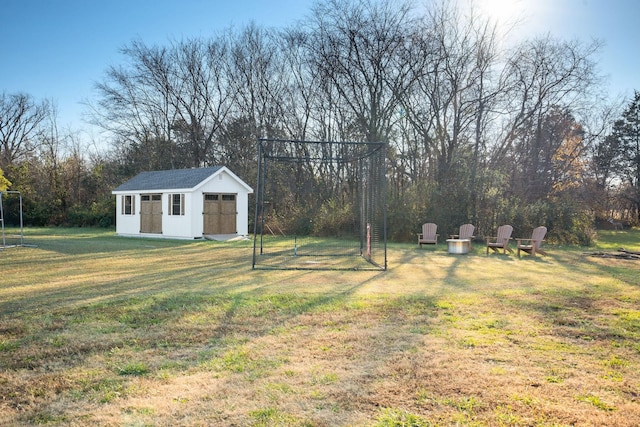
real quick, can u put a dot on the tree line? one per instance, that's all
(478, 130)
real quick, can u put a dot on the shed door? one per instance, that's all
(151, 213)
(219, 214)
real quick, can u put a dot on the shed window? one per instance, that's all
(228, 197)
(176, 204)
(128, 204)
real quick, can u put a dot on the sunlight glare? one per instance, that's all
(503, 12)
(520, 18)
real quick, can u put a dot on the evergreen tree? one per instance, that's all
(627, 132)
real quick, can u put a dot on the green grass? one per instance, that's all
(102, 330)
(400, 418)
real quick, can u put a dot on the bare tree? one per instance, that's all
(541, 75)
(167, 108)
(361, 49)
(203, 100)
(449, 108)
(136, 106)
(258, 76)
(302, 102)
(21, 119)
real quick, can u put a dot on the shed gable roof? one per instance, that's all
(168, 179)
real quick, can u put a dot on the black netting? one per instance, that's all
(320, 205)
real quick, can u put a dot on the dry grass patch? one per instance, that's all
(101, 330)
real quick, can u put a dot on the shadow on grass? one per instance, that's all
(609, 242)
(147, 290)
(195, 306)
(91, 241)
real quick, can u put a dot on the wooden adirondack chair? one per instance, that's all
(428, 235)
(465, 232)
(501, 241)
(532, 245)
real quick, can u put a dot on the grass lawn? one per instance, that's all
(102, 330)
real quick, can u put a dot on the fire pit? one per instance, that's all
(458, 246)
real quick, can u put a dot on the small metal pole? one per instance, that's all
(4, 243)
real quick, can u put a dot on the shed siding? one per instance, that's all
(128, 224)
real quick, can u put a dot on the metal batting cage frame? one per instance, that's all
(320, 205)
(10, 240)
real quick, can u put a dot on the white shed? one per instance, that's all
(183, 203)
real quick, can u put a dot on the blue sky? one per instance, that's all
(614, 22)
(58, 49)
